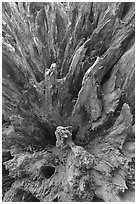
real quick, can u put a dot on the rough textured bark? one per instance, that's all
(68, 101)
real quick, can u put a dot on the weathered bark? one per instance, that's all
(68, 64)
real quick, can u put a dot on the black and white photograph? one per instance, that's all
(68, 101)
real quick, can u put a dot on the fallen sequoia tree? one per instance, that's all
(68, 102)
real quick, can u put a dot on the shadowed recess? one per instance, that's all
(97, 199)
(24, 196)
(47, 171)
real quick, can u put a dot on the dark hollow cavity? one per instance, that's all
(47, 171)
(24, 196)
(55, 200)
(97, 199)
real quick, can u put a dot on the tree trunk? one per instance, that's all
(68, 102)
